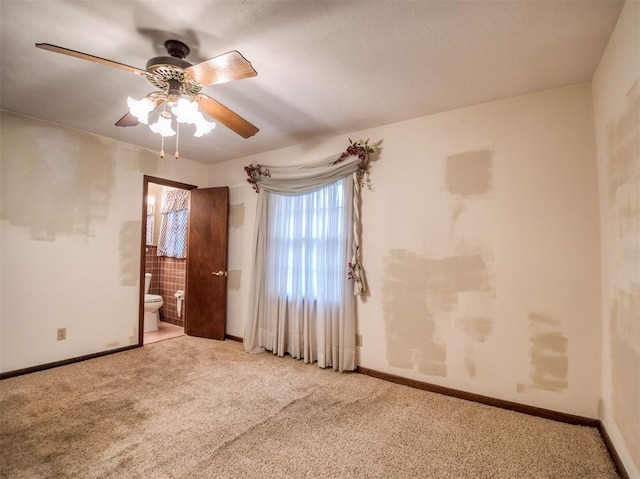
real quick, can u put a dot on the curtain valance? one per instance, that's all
(304, 178)
(175, 200)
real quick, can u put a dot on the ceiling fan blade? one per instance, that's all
(85, 56)
(223, 68)
(228, 118)
(129, 120)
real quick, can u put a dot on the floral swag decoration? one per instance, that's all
(363, 151)
(254, 172)
(257, 174)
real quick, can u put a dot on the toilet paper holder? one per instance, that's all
(179, 295)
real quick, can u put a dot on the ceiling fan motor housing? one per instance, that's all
(168, 73)
(178, 51)
(176, 48)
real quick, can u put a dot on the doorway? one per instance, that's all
(167, 273)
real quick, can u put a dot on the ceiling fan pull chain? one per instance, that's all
(164, 109)
(177, 138)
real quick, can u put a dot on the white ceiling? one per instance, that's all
(324, 67)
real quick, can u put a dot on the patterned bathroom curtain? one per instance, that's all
(173, 227)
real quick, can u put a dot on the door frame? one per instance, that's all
(143, 243)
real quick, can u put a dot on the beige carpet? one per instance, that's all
(194, 408)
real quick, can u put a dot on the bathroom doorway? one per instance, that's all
(163, 277)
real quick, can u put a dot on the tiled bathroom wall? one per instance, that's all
(152, 265)
(172, 279)
(168, 277)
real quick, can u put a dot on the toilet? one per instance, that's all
(152, 303)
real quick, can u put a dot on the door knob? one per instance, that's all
(220, 273)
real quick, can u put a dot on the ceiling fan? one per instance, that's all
(177, 78)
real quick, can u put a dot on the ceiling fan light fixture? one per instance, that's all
(163, 126)
(141, 108)
(185, 111)
(203, 126)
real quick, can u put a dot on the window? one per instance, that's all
(307, 270)
(173, 228)
(308, 235)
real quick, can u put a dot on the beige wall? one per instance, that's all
(616, 98)
(481, 247)
(70, 239)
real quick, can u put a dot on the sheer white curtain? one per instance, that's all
(302, 299)
(308, 307)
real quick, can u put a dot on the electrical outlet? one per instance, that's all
(62, 333)
(358, 339)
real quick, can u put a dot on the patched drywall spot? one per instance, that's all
(412, 342)
(623, 145)
(478, 329)
(132, 158)
(446, 278)
(623, 166)
(469, 173)
(129, 249)
(470, 363)
(459, 206)
(548, 358)
(55, 181)
(148, 163)
(430, 360)
(418, 295)
(625, 365)
(234, 279)
(628, 206)
(236, 215)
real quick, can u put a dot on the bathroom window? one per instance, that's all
(173, 227)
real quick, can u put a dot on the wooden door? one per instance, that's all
(206, 281)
